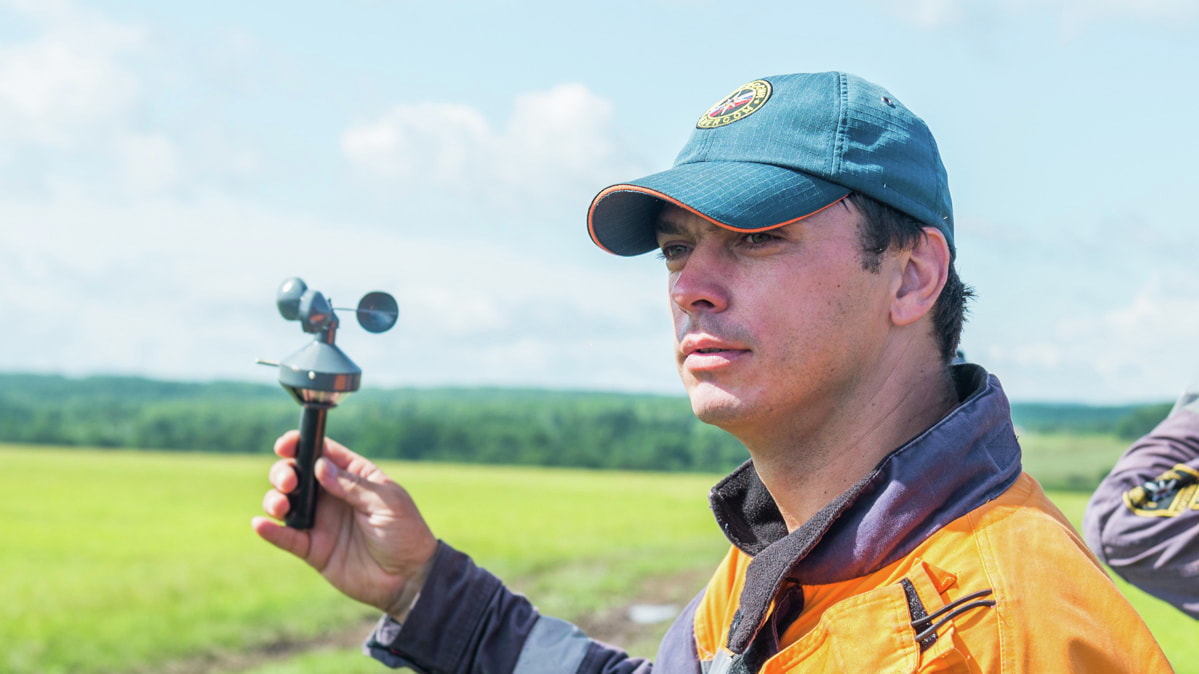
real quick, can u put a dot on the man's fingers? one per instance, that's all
(339, 454)
(359, 492)
(285, 538)
(343, 473)
(275, 504)
(282, 476)
(285, 446)
(347, 460)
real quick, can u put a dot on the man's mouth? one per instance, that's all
(712, 356)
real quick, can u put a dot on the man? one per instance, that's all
(883, 523)
(1143, 520)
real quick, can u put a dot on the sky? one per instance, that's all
(165, 166)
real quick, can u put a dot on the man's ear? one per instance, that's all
(925, 267)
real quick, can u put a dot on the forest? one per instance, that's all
(494, 426)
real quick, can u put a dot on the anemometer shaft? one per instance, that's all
(302, 511)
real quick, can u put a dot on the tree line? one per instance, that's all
(530, 427)
(503, 426)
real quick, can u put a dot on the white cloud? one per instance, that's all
(927, 14)
(1148, 347)
(121, 256)
(151, 163)
(1073, 15)
(1028, 354)
(434, 142)
(1137, 350)
(56, 89)
(564, 129)
(1150, 10)
(173, 289)
(1157, 332)
(90, 105)
(559, 142)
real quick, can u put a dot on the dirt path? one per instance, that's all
(228, 662)
(613, 625)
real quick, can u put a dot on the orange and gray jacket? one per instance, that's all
(1143, 520)
(947, 557)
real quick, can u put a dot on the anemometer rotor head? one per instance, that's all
(377, 311)
(320, 374)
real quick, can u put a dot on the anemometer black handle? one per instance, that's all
(301, 513)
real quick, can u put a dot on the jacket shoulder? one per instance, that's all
(1055, 605)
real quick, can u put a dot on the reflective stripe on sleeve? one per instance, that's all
(721, 664)
(554, 647)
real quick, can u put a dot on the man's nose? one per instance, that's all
(702, 284)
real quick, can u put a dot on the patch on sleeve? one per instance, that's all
(1173, 492)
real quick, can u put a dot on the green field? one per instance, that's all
(116, 561)
(141, 561)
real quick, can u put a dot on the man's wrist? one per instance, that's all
(406, 600)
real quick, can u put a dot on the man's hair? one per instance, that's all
(884, 228)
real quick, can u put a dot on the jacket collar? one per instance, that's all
(882, 518)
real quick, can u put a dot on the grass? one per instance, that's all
(131, 561)
(1068, 462)
(323, 661)
(123, 561)
(118, 560)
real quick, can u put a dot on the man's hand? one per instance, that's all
(369, 541)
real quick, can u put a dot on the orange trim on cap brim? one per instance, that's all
(675, 202)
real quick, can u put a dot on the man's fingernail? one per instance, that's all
(325, 469)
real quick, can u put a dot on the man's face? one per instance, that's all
(771, 325)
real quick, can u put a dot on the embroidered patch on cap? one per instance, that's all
(1169, 495)
(743, 102)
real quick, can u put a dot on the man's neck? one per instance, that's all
(806, 465)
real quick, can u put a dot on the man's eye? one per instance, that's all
(672, 252)
(759, 238)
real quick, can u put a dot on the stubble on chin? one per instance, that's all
(714, 405)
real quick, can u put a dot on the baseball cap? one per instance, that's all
(779, 149)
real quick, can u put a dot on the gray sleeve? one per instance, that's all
(1143, 520)
(466, 622)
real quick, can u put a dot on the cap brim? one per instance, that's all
(740, 196)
